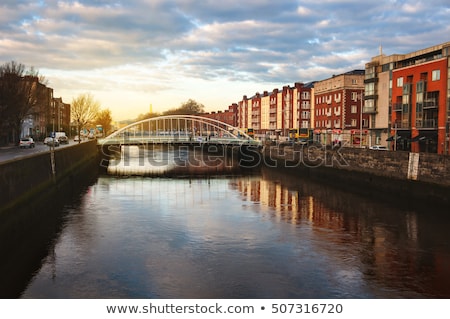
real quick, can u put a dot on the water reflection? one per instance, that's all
(28, 231)
(154, 160)
(407, 249)
(272, 235)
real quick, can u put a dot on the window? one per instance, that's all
(369, 105)
(436, 75)
(420, 86)
(400, 82)
(305, 115)
(369, 89)
(354, 96)
(353, 122)
(354, 109)
(337, 97)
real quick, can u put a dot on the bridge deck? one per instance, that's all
(179, 140)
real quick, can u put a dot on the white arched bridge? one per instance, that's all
(179, 129)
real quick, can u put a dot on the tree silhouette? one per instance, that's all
(22, 93)
(187, 108)
(104, 119)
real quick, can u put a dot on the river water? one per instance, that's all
(266, 234)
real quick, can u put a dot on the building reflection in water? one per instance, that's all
(396, 247)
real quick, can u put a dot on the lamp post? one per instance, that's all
(360, 120)
(395, 136)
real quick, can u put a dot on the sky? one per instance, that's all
(133, 54)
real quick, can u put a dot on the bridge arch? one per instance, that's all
(179, 129)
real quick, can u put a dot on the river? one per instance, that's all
(263, 234)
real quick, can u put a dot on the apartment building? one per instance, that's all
(401, 101)
(338, 116)
(228, 116)
(47, 113)
(61, 113)
(407, 98)
(35, 122)
(282, 113)
(303, 109)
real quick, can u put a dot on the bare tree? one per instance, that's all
(84, 110)
(20, 95)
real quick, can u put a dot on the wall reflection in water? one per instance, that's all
(269, 235)
(406, 249)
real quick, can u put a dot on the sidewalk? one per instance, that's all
(8, 147)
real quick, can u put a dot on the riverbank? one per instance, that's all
(420, 178)
(43, 173)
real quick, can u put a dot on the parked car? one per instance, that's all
(26, 142)
(63, 139)
(378, 148)
(50, 141)
(76, 138)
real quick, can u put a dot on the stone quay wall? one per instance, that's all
(420, 176)
(33, 175)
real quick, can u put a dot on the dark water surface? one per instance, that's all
(258, 236)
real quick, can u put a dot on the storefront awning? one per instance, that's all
(418, 138)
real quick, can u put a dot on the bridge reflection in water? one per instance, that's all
(273, 235)
(155, 160)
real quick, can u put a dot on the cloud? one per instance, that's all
(151, 46)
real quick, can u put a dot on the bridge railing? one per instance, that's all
(160, 139)
(179, 129)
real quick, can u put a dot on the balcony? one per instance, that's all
(397, 107)
(402, 124)
(407, 89)
(369, 110)
(370, 78)
(431, 104)
(430, 123)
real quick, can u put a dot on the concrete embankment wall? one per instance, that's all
(416, 177)
(33, 175)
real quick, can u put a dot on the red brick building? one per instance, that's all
(420, 105)
(280, 113)
(228, 116)
(338, 104)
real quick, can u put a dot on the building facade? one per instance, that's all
(47, 114)
(278, 115)
(338, 116)
(401, 101)
(228, 116)
(408, 99)
(61, 115)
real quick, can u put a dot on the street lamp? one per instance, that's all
(360, 120)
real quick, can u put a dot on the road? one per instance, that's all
(15, 152)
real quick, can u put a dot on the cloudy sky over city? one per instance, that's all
(132, 53)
